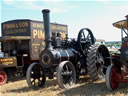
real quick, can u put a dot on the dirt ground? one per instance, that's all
(83, 88)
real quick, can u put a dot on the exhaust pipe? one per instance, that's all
(46, 20)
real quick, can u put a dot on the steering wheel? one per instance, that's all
(85, 39)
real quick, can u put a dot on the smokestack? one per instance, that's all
(47, 28)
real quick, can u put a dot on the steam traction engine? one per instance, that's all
(118, 71)
(68, 59)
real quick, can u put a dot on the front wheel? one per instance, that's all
(35, 76)
(112, 80)
(66, 74)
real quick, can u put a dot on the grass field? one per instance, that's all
(83, 88)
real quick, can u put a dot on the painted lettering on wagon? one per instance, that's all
(39, 34)
(58, 28)
(53, 27)
(15, 25)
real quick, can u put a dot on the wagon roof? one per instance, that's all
(119, 24)
(11, 38)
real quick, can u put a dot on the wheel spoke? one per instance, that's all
(33, 82)
(101, 73)
(39, 82)
(84, 36)
(88, 36)
(105, 66)
(67, 68)
(71, 81)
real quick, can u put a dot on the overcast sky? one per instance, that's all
(98, 15)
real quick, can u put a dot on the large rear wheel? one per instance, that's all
(66, 74)
(35, 76)
(98, 59)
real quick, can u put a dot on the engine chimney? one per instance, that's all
(47, 28)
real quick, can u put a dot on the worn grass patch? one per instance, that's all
(83, 88)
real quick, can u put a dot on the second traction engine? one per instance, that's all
(53, 55)
(68, 59)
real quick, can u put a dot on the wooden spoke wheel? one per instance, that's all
(35, 76)
(66, 74)
(3, 77)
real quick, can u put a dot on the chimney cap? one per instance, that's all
(45, 10)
